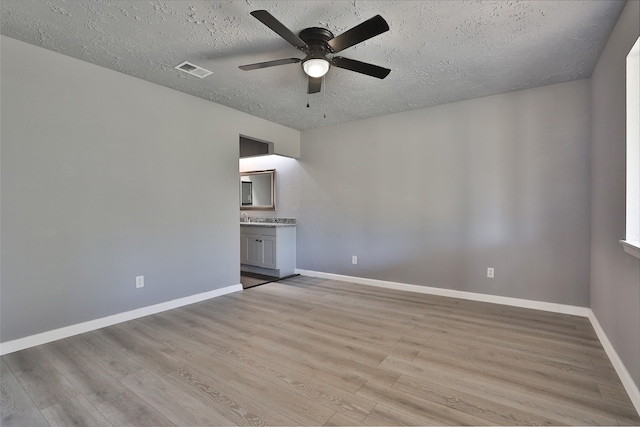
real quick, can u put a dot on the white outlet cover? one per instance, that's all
(139, 282)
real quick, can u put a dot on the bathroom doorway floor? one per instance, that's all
(249, 280)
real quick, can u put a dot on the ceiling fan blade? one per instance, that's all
(360, 67)
(266, 64)
(315, 84)
(359, 33)
(267, 19)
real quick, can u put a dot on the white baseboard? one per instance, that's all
(627, 381)
(91, 325)
(495, 299)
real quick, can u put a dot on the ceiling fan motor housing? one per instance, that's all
(317, 47)
(316, 37)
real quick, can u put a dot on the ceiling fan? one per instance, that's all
(319, 43)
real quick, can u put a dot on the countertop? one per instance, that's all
(266, 224)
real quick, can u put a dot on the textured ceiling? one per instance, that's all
(438, 51)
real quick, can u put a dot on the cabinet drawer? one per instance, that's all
(265, 231)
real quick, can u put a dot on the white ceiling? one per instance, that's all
(438, 51)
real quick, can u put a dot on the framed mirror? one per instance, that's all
(258, 190)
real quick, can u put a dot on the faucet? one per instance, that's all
(244, 217)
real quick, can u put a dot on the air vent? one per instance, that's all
(194, 70)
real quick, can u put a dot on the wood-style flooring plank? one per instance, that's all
(340, 420)
(502, 328)
(263, 389)
(324, 342)
(129, 409)
(385, 416)
(581, 389)
(614, 393)
(497, 390)
(321, 357)
(89, 379)
(344, 336)
(16, 407)
(314, 388)
(170, 401)
(491, 411)
(31, 417)
(343, 379)
(44, 384)
(427, 411)
(206, 326)
(501, 344)
(12, 396)
(521, 361)
(143, 350)
(197, 336)
(226, 400)
(112, 360)
(362, 320)
(76, 411)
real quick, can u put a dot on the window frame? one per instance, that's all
(631, 242)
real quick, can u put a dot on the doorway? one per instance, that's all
(250, 147)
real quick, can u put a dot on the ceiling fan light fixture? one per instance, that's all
(315, 67)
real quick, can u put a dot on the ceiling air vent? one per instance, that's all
(194, 70)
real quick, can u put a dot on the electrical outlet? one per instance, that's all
(490, 272)
(354, 259)
(139, 282)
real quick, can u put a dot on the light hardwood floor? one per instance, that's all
(307, 351)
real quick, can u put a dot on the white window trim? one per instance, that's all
(631, 243)
(632, 248)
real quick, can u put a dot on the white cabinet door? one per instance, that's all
(250, 249)
(268, 253)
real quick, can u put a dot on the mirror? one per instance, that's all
(258, 190)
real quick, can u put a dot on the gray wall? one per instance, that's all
(615, 276)
(105, 177)
(435, 196)
(287, 184)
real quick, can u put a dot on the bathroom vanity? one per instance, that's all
(268, 246)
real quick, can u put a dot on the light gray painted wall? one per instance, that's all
(105, 177)
(615, 276)
(287, 184)
(435, 196)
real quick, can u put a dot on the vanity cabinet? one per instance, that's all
(268, 250)
(258, 250)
